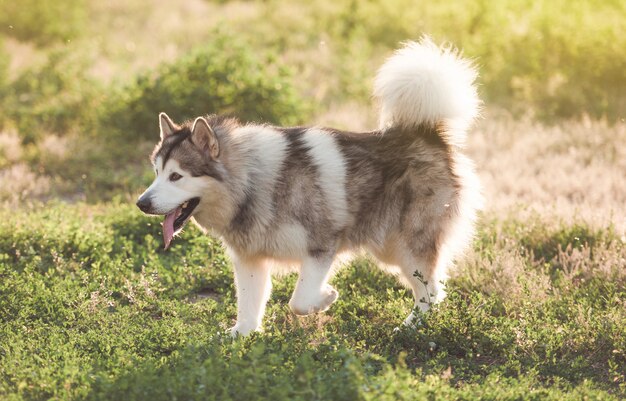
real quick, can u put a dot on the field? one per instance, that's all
(92, 307)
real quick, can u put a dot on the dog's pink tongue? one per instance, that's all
(168, 226)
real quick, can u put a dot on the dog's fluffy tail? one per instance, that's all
(423, 83)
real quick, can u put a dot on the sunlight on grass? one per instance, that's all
(91, 307)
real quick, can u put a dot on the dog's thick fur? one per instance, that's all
(297, 197)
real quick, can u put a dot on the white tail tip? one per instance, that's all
(425, 83)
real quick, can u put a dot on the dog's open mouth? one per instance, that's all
(176, 219)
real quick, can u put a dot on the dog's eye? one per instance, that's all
(175, 177)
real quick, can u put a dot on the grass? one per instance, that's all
(92, 308)
(43, 21)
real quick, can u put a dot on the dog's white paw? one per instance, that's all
(242, 329)
(413, 321)
(330, 297)
(303, 307)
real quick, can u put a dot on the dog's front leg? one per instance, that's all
(312, 293)
(254, 284)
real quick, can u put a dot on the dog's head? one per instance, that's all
(188, 168)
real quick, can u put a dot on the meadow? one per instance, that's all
(92, 307)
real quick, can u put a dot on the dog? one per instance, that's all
(298, 197)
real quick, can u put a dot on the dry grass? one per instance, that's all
(19, 182)
(127, 44)
(10, 147)
(514, 274)
(571, 169)
(124, 37)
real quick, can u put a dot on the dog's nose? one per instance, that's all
(144, 204)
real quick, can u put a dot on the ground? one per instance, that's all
(92, 307)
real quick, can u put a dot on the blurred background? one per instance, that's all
(82, 81)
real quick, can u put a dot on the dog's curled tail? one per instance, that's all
(423, 83)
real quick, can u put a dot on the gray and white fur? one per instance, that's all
(295, 198)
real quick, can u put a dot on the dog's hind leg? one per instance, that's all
(253, 283)
(312, 293)
(424, 275)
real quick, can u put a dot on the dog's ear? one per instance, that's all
(167, 126)
(204, 137)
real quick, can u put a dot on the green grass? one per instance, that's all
(58, 97)
(548, 58)
(43, 21)
(91, 307)
(554, 56)
(225, 77)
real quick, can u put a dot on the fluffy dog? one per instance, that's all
(297, 197)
